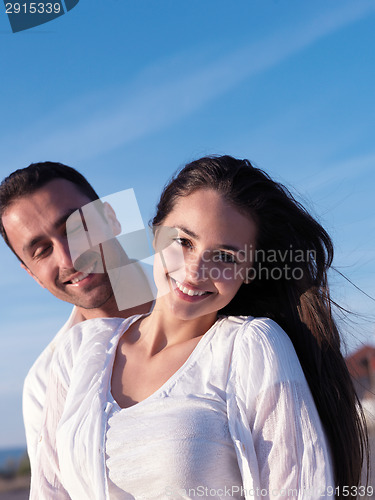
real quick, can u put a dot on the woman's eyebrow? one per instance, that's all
(193, 235)
(188, 231)
(230, 247)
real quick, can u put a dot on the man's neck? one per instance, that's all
(113, 312)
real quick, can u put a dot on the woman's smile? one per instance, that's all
(201, 261)
(187, 292)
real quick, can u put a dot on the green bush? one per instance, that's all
(24, 466)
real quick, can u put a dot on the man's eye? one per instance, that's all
(42, 252)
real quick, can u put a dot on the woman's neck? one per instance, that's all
(160, 330)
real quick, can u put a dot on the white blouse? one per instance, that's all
(176, 443)
(243, 381)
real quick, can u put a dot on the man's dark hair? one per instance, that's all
(26, 181)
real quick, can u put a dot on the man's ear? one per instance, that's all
(112, 218)
(31, 274)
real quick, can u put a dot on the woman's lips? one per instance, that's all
(186, 292)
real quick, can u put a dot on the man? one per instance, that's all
(35, 204)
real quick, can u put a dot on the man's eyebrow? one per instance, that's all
(193, 235)
(60, 221)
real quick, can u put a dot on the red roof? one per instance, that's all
(361, 362)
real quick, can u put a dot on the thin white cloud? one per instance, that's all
(340, 171)
(160, 102)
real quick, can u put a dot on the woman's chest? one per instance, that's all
(182, 443)
(137, 375)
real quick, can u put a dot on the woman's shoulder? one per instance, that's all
(100, 331)
(253, 331)
(91, 330)
(95, 326)
(265, 332)
(263, 348)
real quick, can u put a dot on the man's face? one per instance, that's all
(36, 229)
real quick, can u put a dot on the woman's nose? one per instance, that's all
(197, 268)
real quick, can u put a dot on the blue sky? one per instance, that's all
(127, 91)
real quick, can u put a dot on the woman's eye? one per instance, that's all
(183, 242)
(227, 257)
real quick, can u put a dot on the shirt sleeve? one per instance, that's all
(33, 400)
(35, 387)
(69, 460)
(281, 445)
(46, 482)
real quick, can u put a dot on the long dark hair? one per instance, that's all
(289, 284)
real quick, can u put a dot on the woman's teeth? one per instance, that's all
(189, 291)
(83, 275)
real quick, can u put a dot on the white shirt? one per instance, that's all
(272, 420)
(178, 438)
(35, 385)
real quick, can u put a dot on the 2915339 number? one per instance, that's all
(345, 491)
(33, 8)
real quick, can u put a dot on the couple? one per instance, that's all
(232, 386)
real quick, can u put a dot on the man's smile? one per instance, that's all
(81, 275)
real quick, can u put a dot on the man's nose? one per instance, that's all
(63, 254)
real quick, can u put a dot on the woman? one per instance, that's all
(234, 386)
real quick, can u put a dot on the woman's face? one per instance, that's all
(204, 251)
